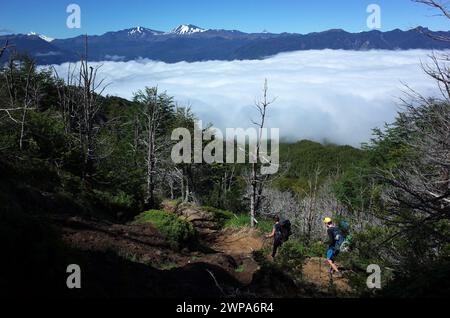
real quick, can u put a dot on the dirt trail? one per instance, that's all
(240, 244)
(141, 243)
(316, 271)
(233, 247)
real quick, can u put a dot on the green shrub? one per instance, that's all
(221, 216)
(266, 225)
(292, 254)
(119, 200)
(317, 249)
(123, 199)
(179, 232)
(243, 220)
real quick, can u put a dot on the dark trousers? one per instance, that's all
(276, 245)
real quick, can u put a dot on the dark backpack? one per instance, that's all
(286, 230)
(344, 227)
(339, 238)
(345, 244)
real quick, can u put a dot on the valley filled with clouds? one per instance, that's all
(338, 96)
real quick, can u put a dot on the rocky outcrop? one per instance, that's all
(204, 222)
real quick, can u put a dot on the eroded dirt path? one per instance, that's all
(233, 248)
(139, 243)
(316, 271)
(240, 245)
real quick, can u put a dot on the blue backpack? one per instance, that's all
(342, 237)
(339, 238)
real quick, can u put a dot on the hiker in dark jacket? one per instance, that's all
(277, 236)
(334, 240)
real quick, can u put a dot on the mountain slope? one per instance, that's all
(191, 43)
(42, 51)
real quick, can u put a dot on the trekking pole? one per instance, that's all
(320, 268)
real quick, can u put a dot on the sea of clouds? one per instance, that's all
(337, 96)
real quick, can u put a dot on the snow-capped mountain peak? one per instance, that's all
(186, 29)
(137, 31)
(43, 37)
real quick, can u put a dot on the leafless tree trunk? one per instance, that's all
(67, 98)
(80, 103)
(311, 214)
(3, 48)
(153, 113)
(22, 96)
(255, 182)
(153, 118)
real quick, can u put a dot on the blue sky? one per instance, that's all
(301, 16)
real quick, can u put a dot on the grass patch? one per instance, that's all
(174, 203)
(132, 258)
(220, 216)
(243, 220)
(179, 232)
(240, 269)
(167, 267)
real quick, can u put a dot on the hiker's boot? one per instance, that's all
(338, 275)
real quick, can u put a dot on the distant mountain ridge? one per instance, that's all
(191, 43)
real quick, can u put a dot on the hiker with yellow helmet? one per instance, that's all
(335, 239)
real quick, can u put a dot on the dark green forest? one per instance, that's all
(70, 153)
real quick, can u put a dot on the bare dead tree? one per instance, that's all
(155, 143)
(256, 182)
(439, 71)
(227, 181)
(422, 185)
(67, 89)
(152, 115)
(312, 209)
(417, 196)
(4, 48)
(306, 211)
(175, 181)
(285, 204)
(24, 93)
(439, 5)
(90, 106)
(443, 10)
(180, 175)
(80, 103)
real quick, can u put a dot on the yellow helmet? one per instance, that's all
(327, 220)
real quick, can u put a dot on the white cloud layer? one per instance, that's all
(339, 96)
